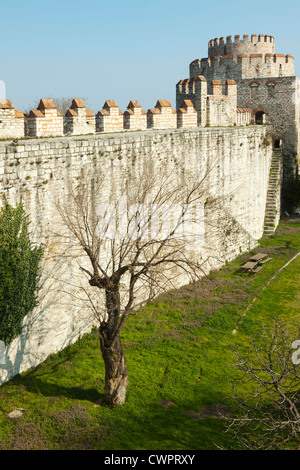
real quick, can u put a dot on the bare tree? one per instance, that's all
(270, 418)
(138, 239)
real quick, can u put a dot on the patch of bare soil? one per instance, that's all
(216, 410)
(166, 403)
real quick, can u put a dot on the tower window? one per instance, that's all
(271, 90)
(254, 90)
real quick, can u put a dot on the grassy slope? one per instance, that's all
(178, 349)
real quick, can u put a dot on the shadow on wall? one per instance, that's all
(34, 345)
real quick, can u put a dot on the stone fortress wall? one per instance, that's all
(38, 170)
(225, 112)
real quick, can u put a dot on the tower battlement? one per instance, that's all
(257, 44)
(243, 66)
(241, 58)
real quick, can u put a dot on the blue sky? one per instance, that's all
(125, 50)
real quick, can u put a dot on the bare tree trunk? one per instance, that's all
(116, 373)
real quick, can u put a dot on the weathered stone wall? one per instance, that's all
(278, 98)
(39, 170)
(162, 116)
(11, 121)
(135, 118)
(243, 66)
(78, 120)
(110, 118)
(187, 115)
(45, 121)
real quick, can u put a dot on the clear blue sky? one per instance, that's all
(123, 50)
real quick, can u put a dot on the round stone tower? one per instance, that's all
(241, 58)
(259, 44)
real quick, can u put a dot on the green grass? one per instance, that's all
(179, 348)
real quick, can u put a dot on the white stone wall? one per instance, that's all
(187, 115)
(48, 123)
(135, 119)
(11, 124)
(110, 118)
(80, 124)
(163, 116)
(39, 171)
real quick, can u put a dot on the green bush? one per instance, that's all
(19, 270)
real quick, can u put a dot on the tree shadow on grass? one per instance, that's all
(155, 428)
(39, 386)
(141, 424)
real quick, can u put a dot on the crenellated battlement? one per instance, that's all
(11, 120)
(241, 58)
(275, 58)
(47, 120)
(261, 44)
(237, 39)
(242, 66)
(198, 103)
(213, 107)
(215, 88)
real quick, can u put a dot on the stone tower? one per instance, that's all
(266, 84)
(241, 59)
